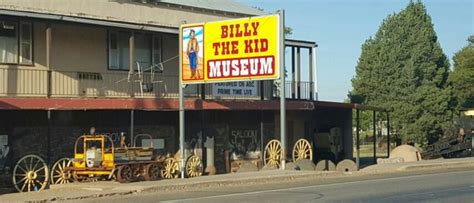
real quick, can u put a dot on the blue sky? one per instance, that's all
(340, 27)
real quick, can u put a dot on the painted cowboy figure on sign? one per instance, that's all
(192, 52)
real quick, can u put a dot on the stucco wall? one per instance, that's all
(115, 10)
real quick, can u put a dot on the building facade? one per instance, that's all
(66, 66)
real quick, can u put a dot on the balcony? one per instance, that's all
(15, 82)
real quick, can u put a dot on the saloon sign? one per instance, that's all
(232, 50)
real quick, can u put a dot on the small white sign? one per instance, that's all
(235, 89)
(155, 143)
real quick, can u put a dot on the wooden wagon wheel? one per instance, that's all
(124, 174)
(151, 172)
(194, 166)
(30, 174)
(302, 150)
(59, 174)
(273, 153)
(171, 168)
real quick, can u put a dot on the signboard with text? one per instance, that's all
(235, 89)
(232, 50)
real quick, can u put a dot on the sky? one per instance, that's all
(340, 27)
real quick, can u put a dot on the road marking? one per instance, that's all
(311, 186)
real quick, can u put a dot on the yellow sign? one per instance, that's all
(232, 50)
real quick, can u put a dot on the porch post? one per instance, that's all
(311, 90)
(358, 138)
(131, 54)
(388, 134)
(375, 138)
(298, 72)
(48, 156)
(315, 85)
(48, 60)
(131, 50)
(293, 74)
(132, 120)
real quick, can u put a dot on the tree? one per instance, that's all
(404, 69)
(462, 76)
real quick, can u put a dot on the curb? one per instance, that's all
(118, 191)
(437, 166)
(184, 186)
(236, 182)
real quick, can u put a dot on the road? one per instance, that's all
(451, 186)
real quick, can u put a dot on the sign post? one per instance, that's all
(282, 88)
(181, 111)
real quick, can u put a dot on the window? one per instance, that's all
(157, 49)
(143, 50)
(147, 50)
(26, 53)
(118, 50)
(16, 42)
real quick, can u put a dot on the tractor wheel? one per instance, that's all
(151, 172)
(124, 174)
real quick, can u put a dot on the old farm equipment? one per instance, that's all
(96, 157)
(461, 146)
(31, 173)
(273, 153)
(192, 168)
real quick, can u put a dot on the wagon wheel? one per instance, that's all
(273, 153)
(30, 174)
(302, 150)
(171, 168)
(59, 174)
(124, 174)
(151, 172)
(194, 166)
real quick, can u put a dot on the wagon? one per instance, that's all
(97, 158)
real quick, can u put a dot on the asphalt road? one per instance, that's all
(457, 186)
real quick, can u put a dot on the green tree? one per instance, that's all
(462, 76)
(404, 69)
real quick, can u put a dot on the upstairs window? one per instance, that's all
(118, 51)
(16, 42)
(147, 50)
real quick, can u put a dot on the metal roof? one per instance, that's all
(159, 13)
(217, 5)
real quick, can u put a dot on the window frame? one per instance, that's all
(153, 36)
(32, 34)
(19, 23)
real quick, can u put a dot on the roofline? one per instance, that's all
(369, 108)
(205, 9)
(300, 43)
(153, 104)
(125, 25)
(109, 23)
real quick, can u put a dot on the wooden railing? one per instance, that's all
(51, 83)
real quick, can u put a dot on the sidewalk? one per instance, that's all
(421, 165)
(77, 191)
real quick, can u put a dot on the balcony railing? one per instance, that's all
(52, 83)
